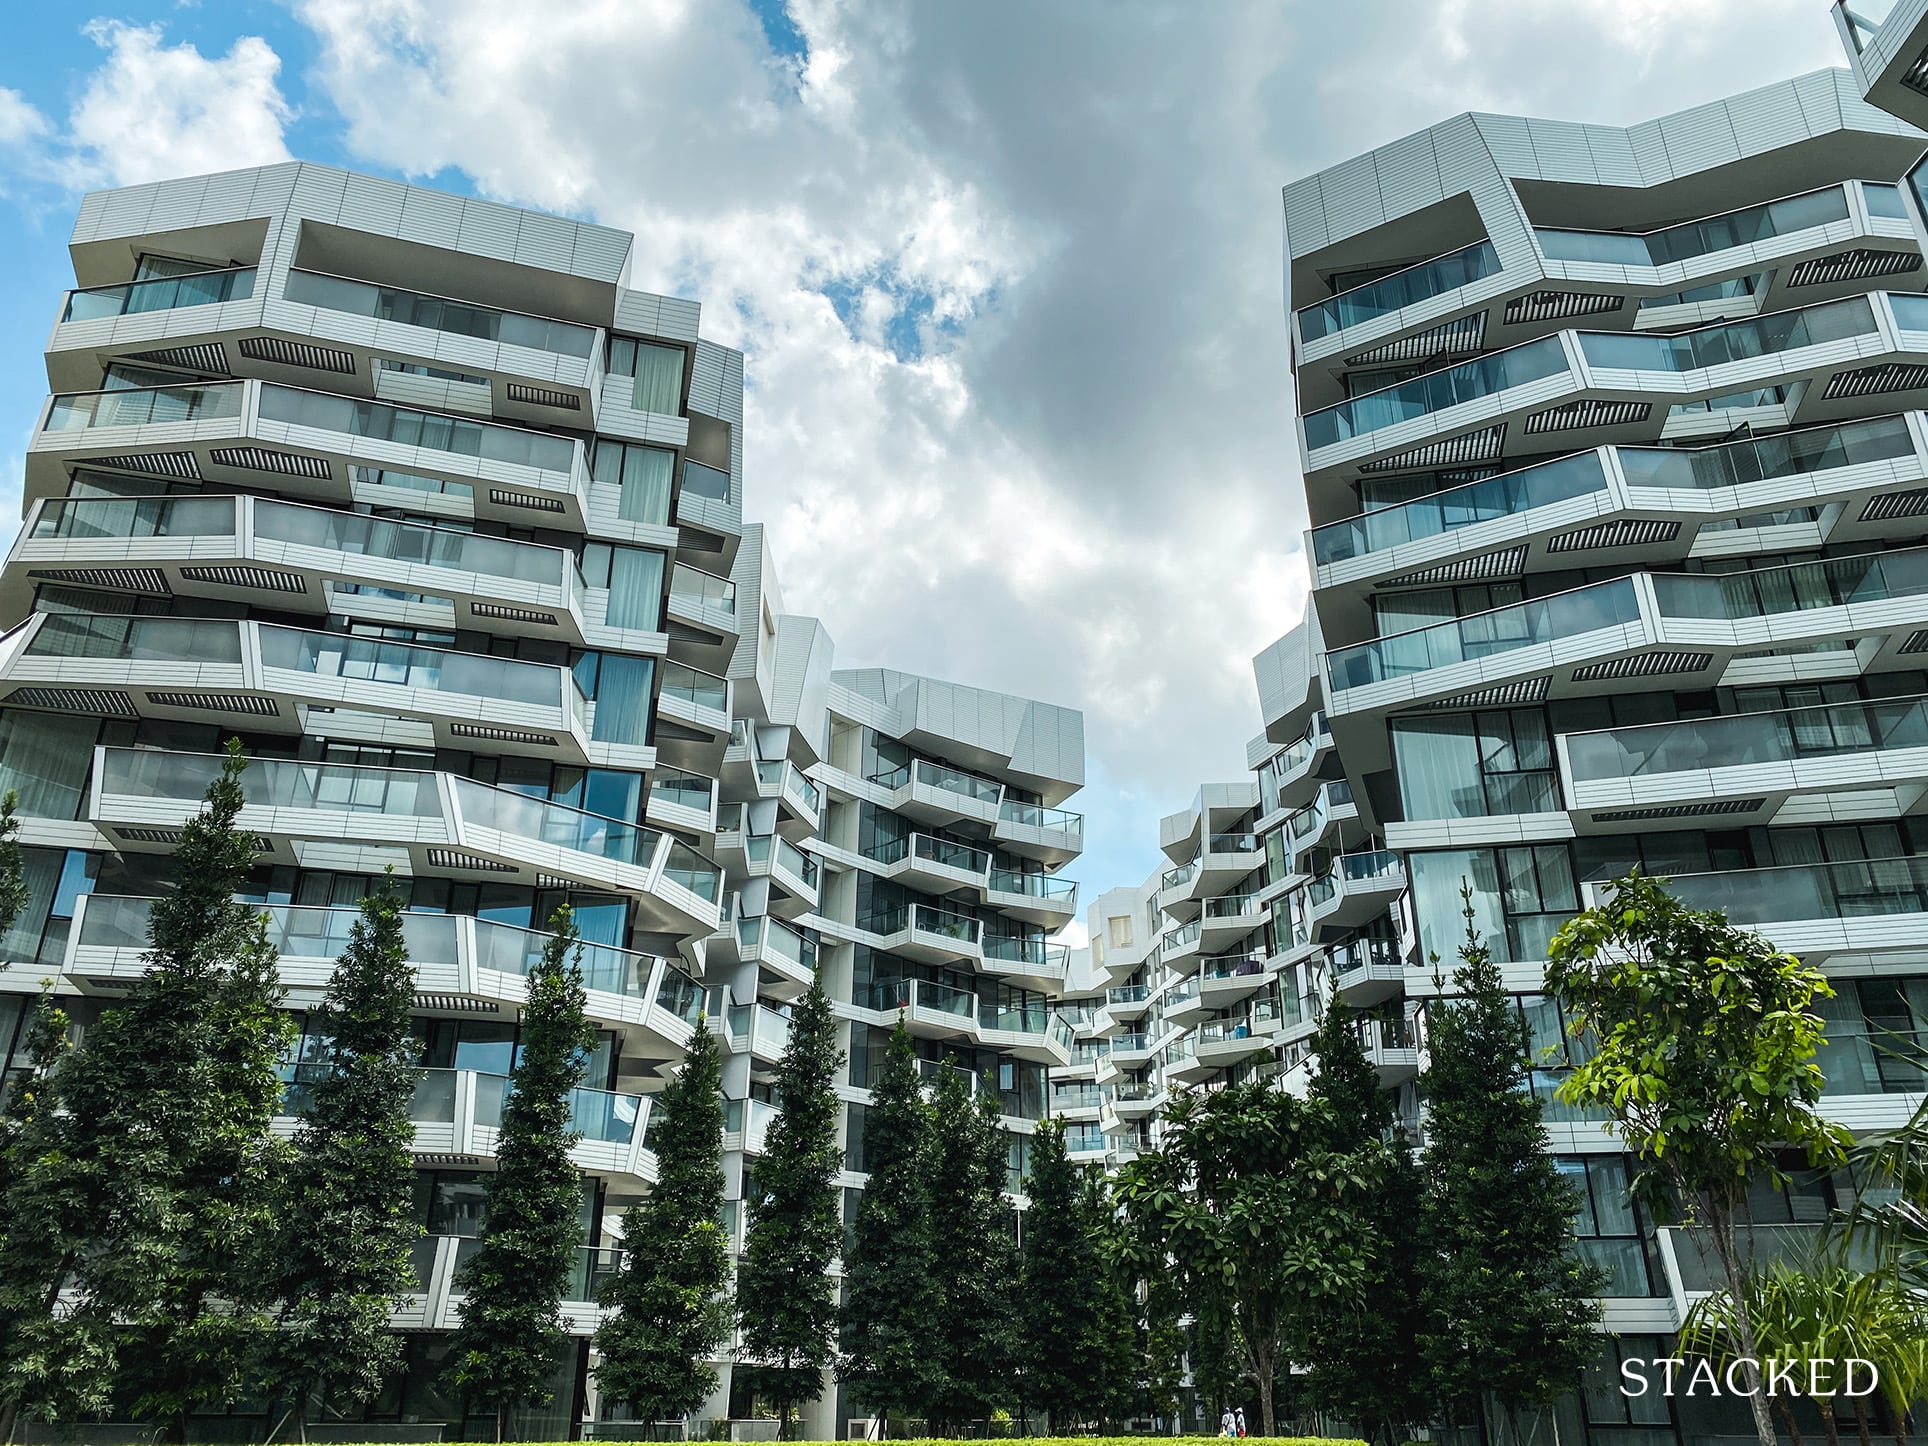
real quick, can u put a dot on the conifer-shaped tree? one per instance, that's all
(167, 1110)
(893, 1308)
(670, 1313)
(13, 867)
(1065, 1293)
(1511, 1299)
(785, 1299)
(1365, 1361)
(973, 1241)
(348, 1212)
(511, 1341)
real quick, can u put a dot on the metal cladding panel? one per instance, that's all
(1650, 151)
(177, 204)
(1614, 161)
(1700, 139)
(431, 218)
(373, 203)
(1409, 174)
(487, 230)
(1287, 672)
(602, 252)
(546, 241)
(1509, 142)
(679, 317)
(800, 683)
(1352, 201)
(1050, 743)
(1562, 150)
(1305, 219)
(318, 193)
(1824, 105)
(1765, 120)
(125, 212)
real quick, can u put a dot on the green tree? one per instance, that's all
(974, 1242)
(167, 1108)
(1512, 1300)
(13, 867)
(1066, 1293)
(347, 1214)
(893, 1310)
(511, 1341)
(40, 1369)
(1703, 1059)
(1364, 1361)
(1123, 1340)
(670, 1311)
(785, 1298)
(1262, 1218)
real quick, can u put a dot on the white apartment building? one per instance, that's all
(415, 496)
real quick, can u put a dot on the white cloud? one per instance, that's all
(154, 110)
(20, 122)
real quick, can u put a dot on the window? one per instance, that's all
(658, 371)
(1520, 896)
(620, 687)
(1474, 765)
(1607, 1226)
(634, 577)
(643, 473)
(1118, 929)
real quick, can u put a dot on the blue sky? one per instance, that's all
(1006, 275)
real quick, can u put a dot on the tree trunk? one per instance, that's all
(501, 1423)
(1861, 1421)
(1897, 1421)
(1793, 1425)
(1828, 1424)
(1721, 1227)
(1264, 1380)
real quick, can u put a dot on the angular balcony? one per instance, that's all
(1052, 836)
(1400, 292)
(705, 604)
(1226, 981)
(1226, 859)
(746, 1125)
(1078, 1102)
(1367, 972)
(940, 795)
(695, 699)
(1136, 1099)
(454, 956)
(797, 873)
(233, 547)
(317, 445)
(799, 800)
(1130, 1051)
(1760, 759)
(680, 800)
(1358, 889)
(1229, 920)
(1127, 1001)
(1028, 960)
(444, 825)
(1033, 897)
(931, 864)
(1180, 1004)
(1226, 1042)
(1291, 776)
(786, 954)
(1178, 949)
(1392, 1047)
(939, 1011)
(272, 676)
(1321, 823)
(1859, 906)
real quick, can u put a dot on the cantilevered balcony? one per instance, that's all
(1357, 889)
(796, 873)
(1178, 950)
(1291, 777)
(1648, 504)
(1589, 387)
(273, 676)
(940, 1011)
(1366, 971)
(318, 445)
(1861, 906)
(459, 1112)
(233, 548)
(1230, 979)
(455, 957)
(439, 823)
(1126, 1002)
(1229, 920)
(1321, 823)
(1863, 606)
(1761, 767)
(1034, 897)
(706, 605)
(1226, 1042)
(799, 800)
(1026, 959)
(1887, 44)
(786, 953)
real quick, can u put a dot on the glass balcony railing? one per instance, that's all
(1401, 289)
(435, 313)
(1032, 815)
(1179, 877)
(959, 927)
(956, 780)
(146, 640)
(1911, 310)
(702, 481)
(1856, 889)
(1232, 843)
(1078, 1097)
(1181, 936)
(137, 406)
(779, 938)
(1481, 501)
(944, 853)
(1829, 731)
(130, 517)
(1760, 459)
(686, 790)
(1231, 906)
(1730, 341)
(1697, 238)
(163, 293)
(363, 536)
(1859, 1058)
(1038, 954)
(1177, 997)
(703, 588)
(1435, 391)
(1832, 582)
(1564, 615)
(1035, 886)
(705, 690)
(1381, 865)
(1129, 1043)
(431, 431)
(1128, 994)
(1242, 967)
(803, 790)
(405, 665)
(761, 848)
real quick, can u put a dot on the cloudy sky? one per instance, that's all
(1007, 272)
